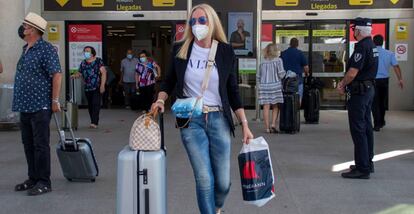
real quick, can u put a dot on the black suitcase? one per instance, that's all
(311, 101)
(290, 114)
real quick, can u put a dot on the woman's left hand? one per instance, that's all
(247, 134)
(102, 89)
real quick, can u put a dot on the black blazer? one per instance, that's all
(228, 86)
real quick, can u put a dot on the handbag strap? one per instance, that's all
(210, 64)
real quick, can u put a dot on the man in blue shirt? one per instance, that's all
(294, 60)
(386, 61)
(36, 96)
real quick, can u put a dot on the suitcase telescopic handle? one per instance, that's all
(62, 132)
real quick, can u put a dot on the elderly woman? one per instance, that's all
(93, 72)
(207, 138)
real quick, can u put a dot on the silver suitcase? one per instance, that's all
(76, 156)
(141, 180)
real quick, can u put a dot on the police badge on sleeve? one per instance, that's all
(357, 57)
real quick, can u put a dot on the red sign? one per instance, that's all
(179, 31)
(267, 32)
(377, 29)
(85, 33)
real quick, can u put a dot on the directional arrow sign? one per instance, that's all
(62, 3)
(394, 1)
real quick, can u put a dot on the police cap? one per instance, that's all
(363, 22)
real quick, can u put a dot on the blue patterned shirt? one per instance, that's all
(33, 81)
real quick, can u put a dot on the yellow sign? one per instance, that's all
(401, 31)
(329, 33)
(93, 3)
(286, 2)
(53, 33)
(62, 3)
(288, 33)
(361, 2)
(394, 1)
(163, 3)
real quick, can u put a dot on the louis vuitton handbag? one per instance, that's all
(145, 133)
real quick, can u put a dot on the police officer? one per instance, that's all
(359, 85)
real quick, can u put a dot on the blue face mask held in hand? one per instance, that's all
(193, 106)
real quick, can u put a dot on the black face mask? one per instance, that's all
(20, 32)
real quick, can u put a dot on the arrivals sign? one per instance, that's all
(80, 36)
(335, 4)
(114, 5)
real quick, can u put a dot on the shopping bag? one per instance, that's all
(256, 172)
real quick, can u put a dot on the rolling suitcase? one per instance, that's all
(290, 114)
(75, 155)
(311, 105)
(141, 180)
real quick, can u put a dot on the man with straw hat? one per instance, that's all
(36, 97)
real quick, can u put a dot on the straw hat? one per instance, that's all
(36, 21)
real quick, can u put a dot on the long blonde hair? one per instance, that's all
(270, 52)
(216, 29)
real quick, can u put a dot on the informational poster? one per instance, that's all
(80, 36)
(401, 31)
(53, 33)
(401, 52)
(240, 32)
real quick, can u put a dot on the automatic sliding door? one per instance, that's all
(328, 60)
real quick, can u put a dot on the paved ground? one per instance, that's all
(305, 182)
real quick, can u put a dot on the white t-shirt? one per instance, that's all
(194, 76)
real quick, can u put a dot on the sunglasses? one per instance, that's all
(201, 20)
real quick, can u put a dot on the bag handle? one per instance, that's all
(152, 115)
(210, 64)
(61, 132)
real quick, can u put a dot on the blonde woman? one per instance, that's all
(270, 86)
(207, 138)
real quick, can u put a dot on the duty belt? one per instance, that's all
(207, 109)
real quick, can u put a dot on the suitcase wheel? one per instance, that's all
(69, 179)
(93, 180)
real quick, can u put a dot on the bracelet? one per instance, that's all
(55, 100)
(160, 101)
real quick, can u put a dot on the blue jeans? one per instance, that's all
(207, 142)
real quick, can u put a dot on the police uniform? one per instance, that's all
(360, 97)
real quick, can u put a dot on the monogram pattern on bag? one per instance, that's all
(145, 134)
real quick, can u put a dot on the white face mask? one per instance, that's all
(200, 31)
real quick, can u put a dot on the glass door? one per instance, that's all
(285, 31)
(328, 60)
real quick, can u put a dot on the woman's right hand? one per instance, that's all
(157, 107)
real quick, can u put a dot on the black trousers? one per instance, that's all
(360, 124)
(380, 104)
(147, 96)
(36, 139)
(94, 105)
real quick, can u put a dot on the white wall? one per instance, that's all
(402, 99)
(11, 45)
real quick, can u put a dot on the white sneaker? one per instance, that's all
(218, 211)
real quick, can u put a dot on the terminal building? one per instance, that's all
(321, 26)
